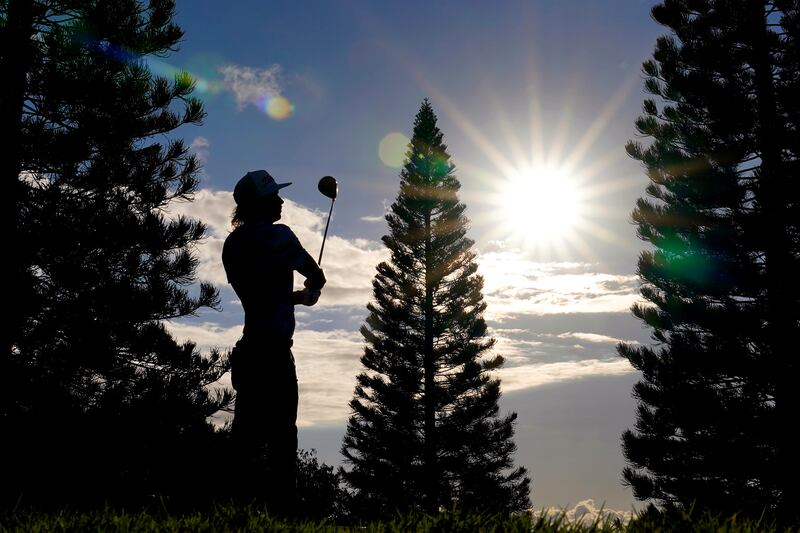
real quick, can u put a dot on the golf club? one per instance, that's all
(328, 187)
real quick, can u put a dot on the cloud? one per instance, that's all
(585, 513)
(327, 364)
(535, 375)
(378, 218)
(251, 85)
(515, 349)
(515, 285)
(328, 361)
(200, 146)
(349, 264)
(206, 335)
(214, 209)
(594, 337)
(535, 346)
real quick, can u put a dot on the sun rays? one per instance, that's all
(545, 191)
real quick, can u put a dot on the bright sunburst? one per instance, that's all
(553, 210)
(541, 204)
(547, 197)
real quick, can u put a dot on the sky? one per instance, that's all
(536, 100)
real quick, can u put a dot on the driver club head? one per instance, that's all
(328, 187)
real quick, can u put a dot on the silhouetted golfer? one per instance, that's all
(260, 258)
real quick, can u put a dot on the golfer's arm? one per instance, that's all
(315, 278)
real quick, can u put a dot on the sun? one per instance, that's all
(542, 189)
(541, 205)
(549, 209)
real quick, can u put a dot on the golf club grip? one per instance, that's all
(325, 236)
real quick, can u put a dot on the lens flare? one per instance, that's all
(202, 70)
(279, 108)
(203, 86)
(392, 149)
(161, 68)
(206, 81)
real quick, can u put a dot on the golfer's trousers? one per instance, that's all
(264, 426)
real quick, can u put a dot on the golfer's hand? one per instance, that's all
(310, 297)
(320, 282)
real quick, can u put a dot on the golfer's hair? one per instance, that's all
(249, 212)
(239, 217)
(244, 214)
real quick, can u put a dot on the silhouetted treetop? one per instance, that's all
(425, 429)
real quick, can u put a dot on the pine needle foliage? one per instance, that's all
(425, 429)
(717, 399)
(97, 388)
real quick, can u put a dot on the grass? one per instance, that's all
(229, 518)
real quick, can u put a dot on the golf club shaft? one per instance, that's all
(325, 236)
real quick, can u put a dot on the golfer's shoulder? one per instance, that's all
(233, 241)
(261, 232)
(264, 236)
(283, 233)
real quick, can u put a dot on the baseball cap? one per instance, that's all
(254, 185)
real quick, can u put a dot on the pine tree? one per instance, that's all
(425, 429)
(716, 407)
(97, 388)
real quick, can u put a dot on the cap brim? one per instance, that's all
(275, 188)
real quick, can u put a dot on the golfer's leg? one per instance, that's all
(249, 436)
(243, 445)
(283, 445)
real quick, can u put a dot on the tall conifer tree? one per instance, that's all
(96, 388)
(717, 407)
(425, 429)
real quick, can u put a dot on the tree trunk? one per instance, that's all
(780, 282)
(431, 470)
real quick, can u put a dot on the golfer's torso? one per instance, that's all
(260, 263)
